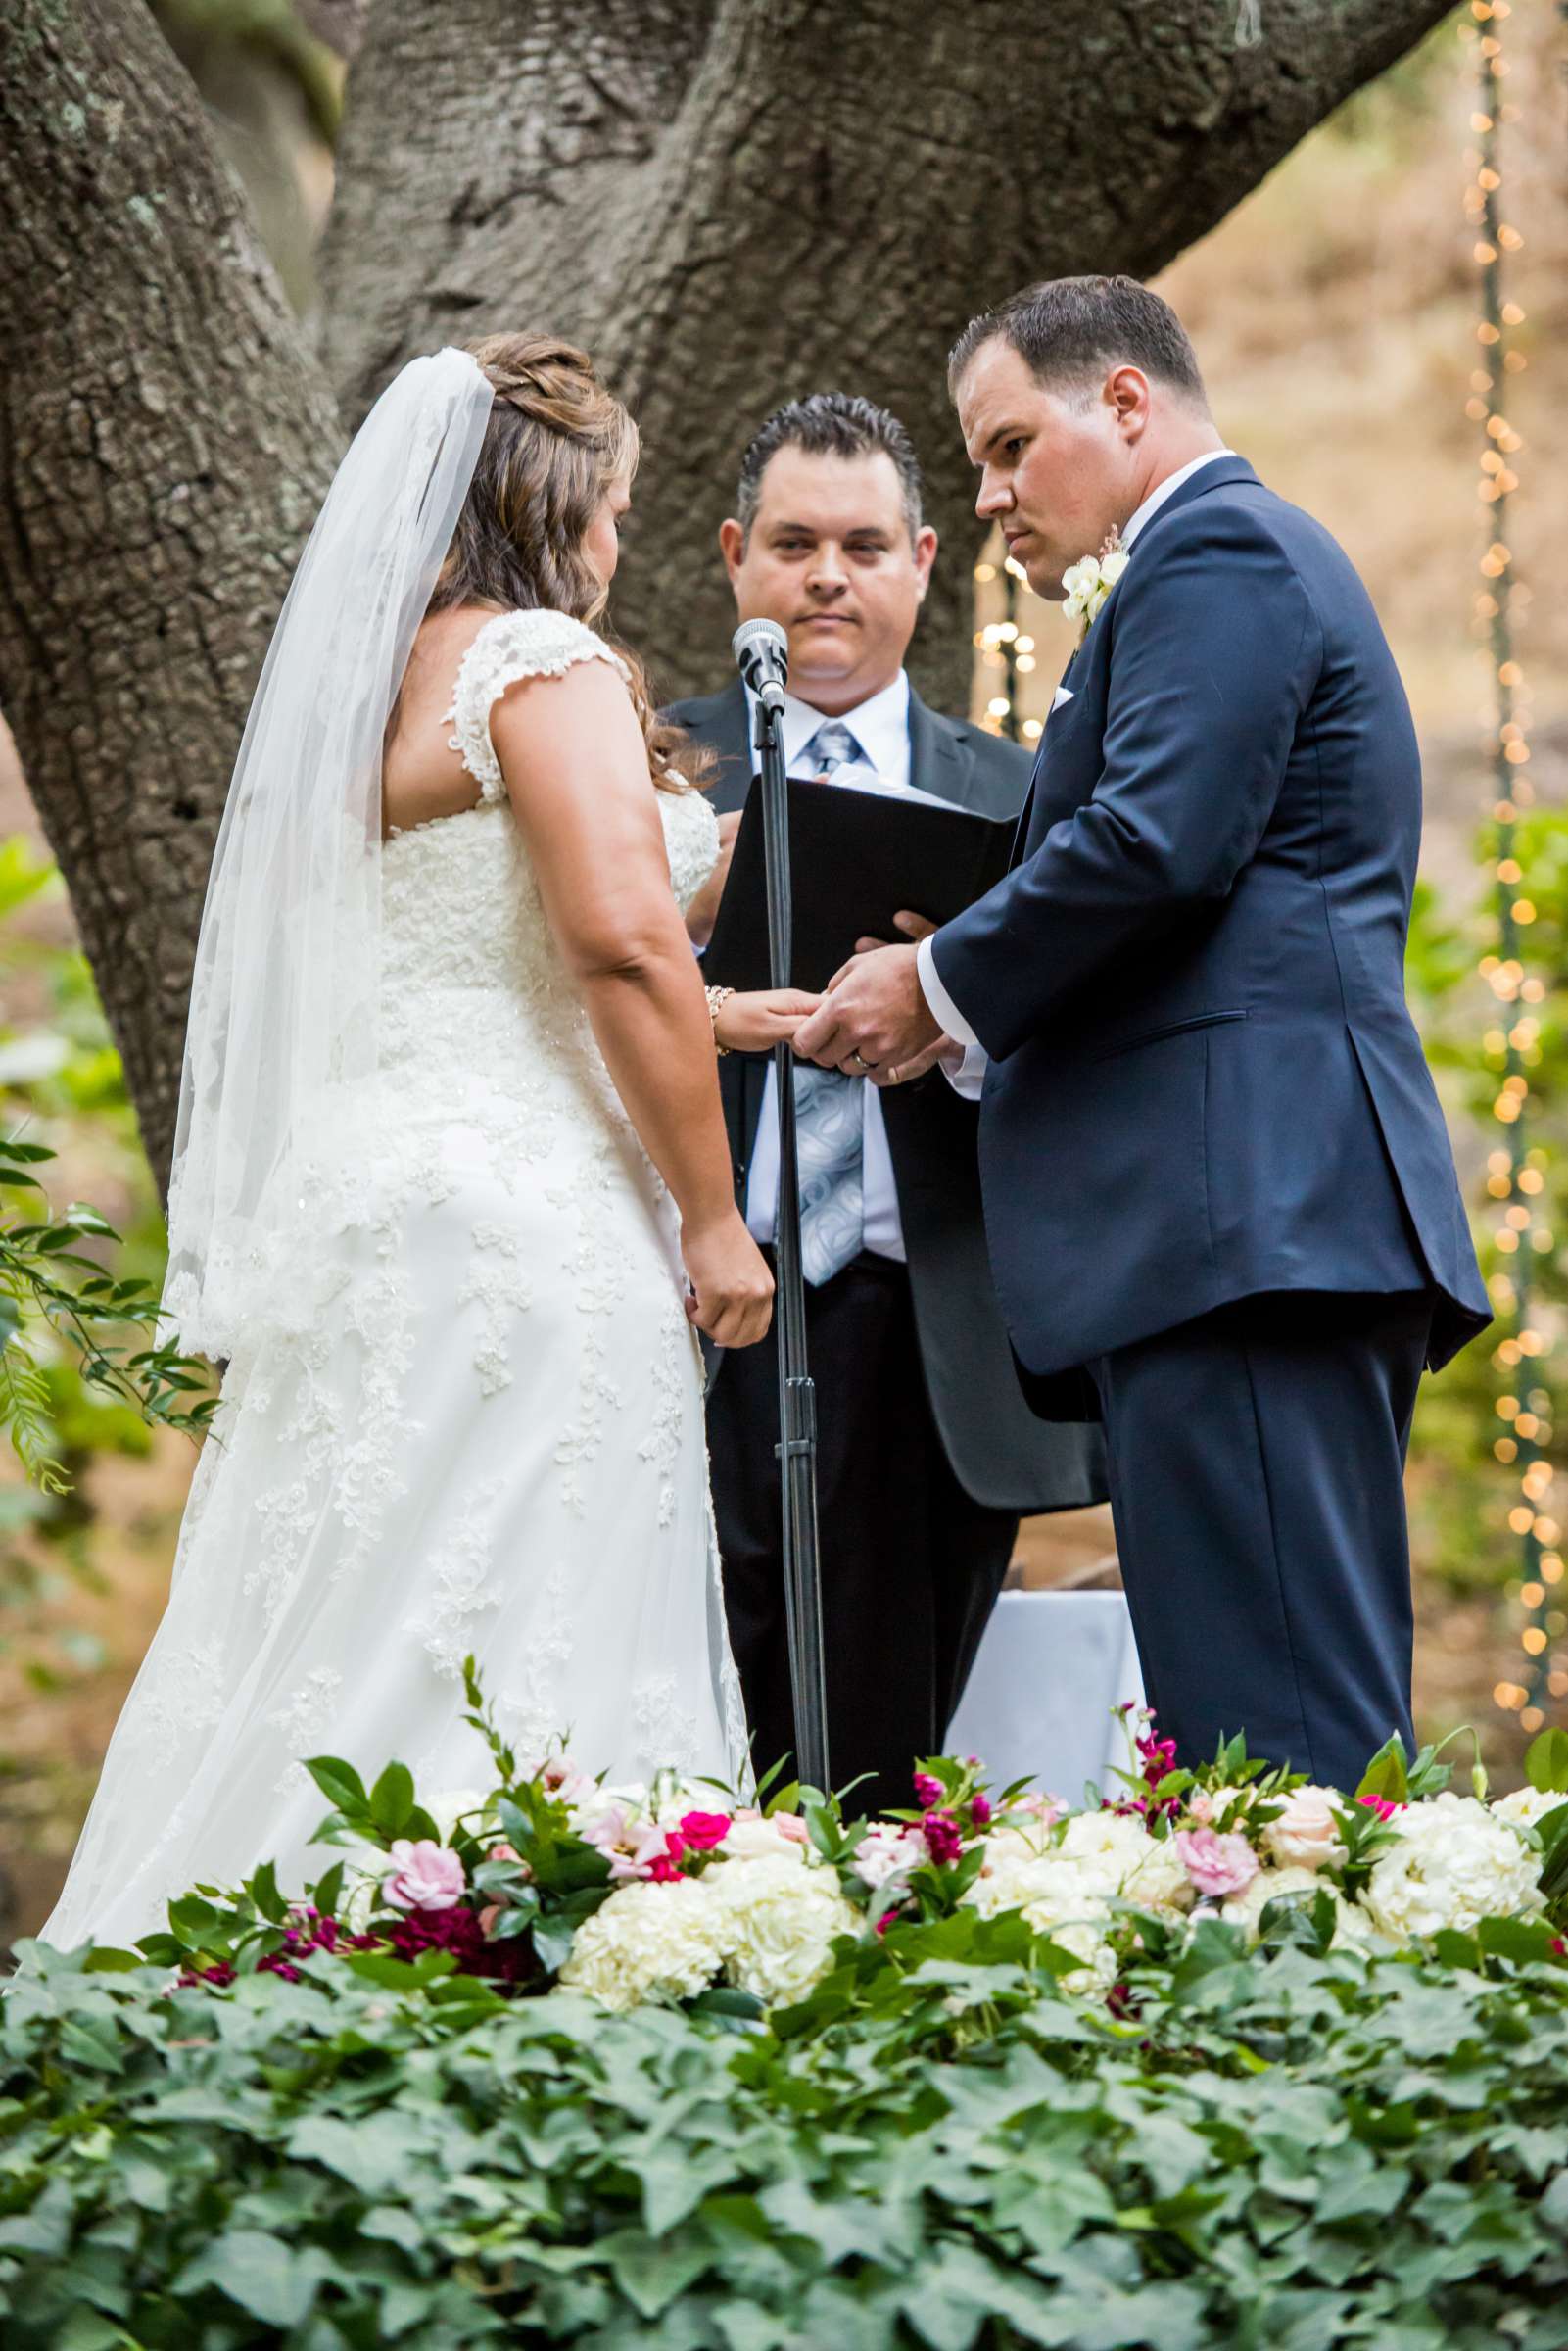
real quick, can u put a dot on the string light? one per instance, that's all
(1515, 1169)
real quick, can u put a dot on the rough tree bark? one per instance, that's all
(165, 441)
(730, 203)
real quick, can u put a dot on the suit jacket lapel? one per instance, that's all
(725, 728)
(940, 759)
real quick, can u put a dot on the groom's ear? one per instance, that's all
(1126, 391)
(733, 546)
(924, 553)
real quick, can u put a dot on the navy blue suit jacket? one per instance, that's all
(1204, 1083)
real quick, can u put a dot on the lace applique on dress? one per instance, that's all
(512, 645)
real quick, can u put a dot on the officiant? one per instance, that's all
(928, 1452)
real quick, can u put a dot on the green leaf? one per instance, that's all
(340, 1784)
(1546, 1761)
(391, 1799)
(263, 1890)
(1385, 1775)
(1520, 1939)
(261, 2273)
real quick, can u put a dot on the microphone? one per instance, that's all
(762, 652)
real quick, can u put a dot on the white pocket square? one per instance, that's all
(1064, 694)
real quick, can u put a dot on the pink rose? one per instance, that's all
(1307, 1833)
(1217, 1865)
(424, 1876)
(1201, 1806)
(790, 1825)
(702, 1831)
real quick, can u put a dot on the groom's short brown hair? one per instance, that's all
(1071, 330)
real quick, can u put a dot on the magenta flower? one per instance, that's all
(1217, 1865)
(702, 1831)
(424, 1876)
(981, 1811)
(1383, 1806)
(943, 1839)
(927, 1790)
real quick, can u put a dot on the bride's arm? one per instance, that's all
(576, 769)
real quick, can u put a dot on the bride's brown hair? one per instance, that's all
(555, 442)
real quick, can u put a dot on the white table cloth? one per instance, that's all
(1050, 1669)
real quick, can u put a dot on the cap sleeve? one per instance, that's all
(512, 645)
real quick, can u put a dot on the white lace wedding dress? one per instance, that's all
(472, 1421)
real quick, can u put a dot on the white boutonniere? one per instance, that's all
(1090, 581)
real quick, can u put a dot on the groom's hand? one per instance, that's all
(874, 1018)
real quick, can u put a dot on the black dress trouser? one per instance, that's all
(1257, 1463)
(911, 1566)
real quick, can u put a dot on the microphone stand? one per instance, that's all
(797, 1394)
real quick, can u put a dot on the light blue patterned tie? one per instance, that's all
(830, 1112)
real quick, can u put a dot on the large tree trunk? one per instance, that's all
(165, 441)
(729, 202)
(731, 205)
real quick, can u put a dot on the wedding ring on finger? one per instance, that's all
(860, 1058)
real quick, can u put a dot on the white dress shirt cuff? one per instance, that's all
(965, 1067)
(937, 998)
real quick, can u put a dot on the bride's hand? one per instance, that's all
(756, 1023)
(732, 1288)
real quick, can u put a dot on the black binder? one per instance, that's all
(857, 858)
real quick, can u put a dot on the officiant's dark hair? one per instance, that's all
(830, 424)
(1071, 330)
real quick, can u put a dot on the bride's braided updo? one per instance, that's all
(555, 442)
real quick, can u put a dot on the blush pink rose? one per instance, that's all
(1306, 1831)
(424, 1876)
(1217, 1865)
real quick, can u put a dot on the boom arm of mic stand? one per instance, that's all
(797, 1395)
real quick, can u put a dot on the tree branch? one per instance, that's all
(165, 441)
(734, 206)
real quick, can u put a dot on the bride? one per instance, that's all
(451, 1186)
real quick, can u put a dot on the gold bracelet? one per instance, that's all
(718, 998)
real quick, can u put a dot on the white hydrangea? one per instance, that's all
(1527, 1805)
(1452, 1865)
(649, 1941)
(778, 1922)
(1063, 1898)
(1119, 1856)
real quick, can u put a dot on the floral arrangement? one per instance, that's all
(1089, 582)
(675, 1893)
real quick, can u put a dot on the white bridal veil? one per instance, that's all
(284, 994)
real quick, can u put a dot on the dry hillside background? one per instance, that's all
(1334, 313)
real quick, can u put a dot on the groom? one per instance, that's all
(1218, 1181)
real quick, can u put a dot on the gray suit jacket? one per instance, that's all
(1000, 1453)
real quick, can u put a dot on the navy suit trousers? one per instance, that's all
(1257, 1462)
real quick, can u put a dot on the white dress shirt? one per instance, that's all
(966, 1075)
(881, 727)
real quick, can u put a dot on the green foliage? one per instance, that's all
(82, 1373)
(1462, 1493)
(52, 1292)
(1285, 2149)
